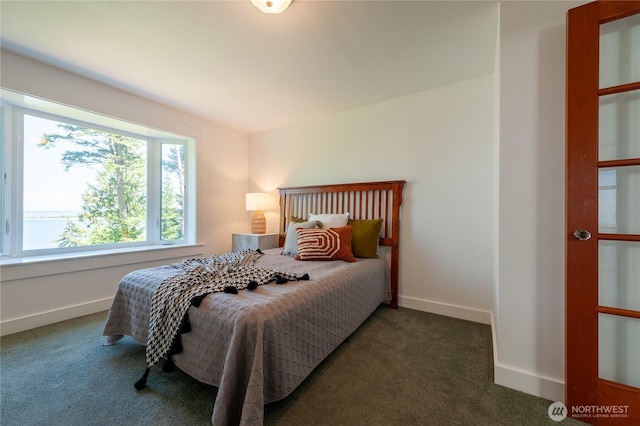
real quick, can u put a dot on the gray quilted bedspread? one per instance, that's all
(258, 346)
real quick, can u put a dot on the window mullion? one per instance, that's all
(5, 173)
(154, 189)
(15, 174)
(190, 199)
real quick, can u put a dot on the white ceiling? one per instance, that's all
(229, 62)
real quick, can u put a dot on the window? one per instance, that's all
(80, 181)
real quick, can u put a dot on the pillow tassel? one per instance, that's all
(305, 277)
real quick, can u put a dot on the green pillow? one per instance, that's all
(295, 219)
(365, 237)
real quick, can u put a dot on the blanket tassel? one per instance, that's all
(140, 384)
(185, 327)
(168, 366)
(196, 301)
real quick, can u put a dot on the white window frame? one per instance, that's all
(13, 108)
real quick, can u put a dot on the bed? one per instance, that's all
(256, 346)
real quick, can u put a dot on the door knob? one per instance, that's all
(582, 234)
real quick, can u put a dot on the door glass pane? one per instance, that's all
(619, 200)
(619, 126)
(619, 349)
(620, 51)
(618, 272)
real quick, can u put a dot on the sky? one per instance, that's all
(46, 185)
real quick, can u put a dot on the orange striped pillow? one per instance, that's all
(325, 244)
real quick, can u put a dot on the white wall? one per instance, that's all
(459, 190)
(37, 294)
(530, 280)
(441, 142)
(483, 217)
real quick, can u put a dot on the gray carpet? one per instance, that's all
(401, 367)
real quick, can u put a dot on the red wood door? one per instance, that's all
(603, 213)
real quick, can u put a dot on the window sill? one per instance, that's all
(37, 266)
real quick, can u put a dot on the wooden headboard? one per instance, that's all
(366, 200)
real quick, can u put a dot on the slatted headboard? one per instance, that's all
(366, 200)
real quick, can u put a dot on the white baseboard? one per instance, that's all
(45, 318)
(504, 375)
(524, 381)
(454, 311)
(528, 382)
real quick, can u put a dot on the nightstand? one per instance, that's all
(254, 241)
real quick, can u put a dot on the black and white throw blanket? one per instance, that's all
(229, 272)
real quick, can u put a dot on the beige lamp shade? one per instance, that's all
(257, 202)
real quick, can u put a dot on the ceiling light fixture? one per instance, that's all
(271, 6)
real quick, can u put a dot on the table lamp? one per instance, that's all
(257, 202)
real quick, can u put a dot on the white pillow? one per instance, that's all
(291, 240)
(330, 220)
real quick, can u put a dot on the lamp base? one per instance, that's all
(258, 223)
